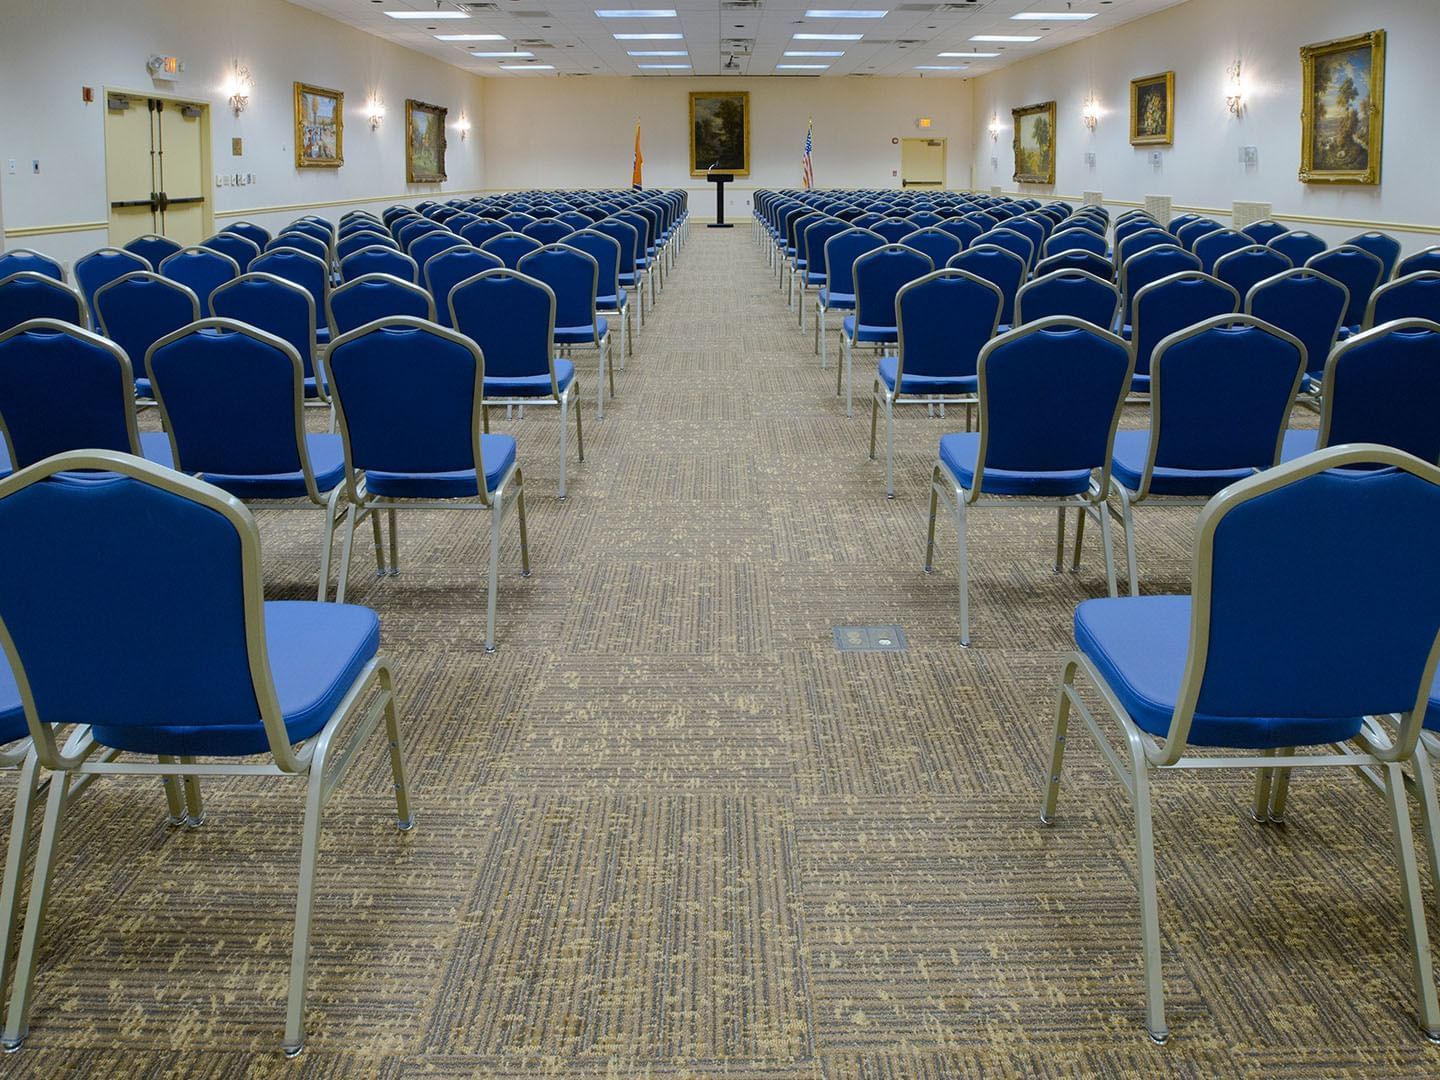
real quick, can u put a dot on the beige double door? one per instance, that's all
(155, 168)
(922, 163)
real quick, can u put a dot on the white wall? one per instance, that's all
(1198, 40)
(49, 49)
(581, 131)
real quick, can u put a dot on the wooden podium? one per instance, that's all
(720, 180)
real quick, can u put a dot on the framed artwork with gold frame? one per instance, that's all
(319, 127)
(424, 142)
(1342, 109)
(720, 131)
(1035, 143)
(1152, 110)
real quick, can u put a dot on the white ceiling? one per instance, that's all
(568, 34)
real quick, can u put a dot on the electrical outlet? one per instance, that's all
(35, 166)
(10, 165)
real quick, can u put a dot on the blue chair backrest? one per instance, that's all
(841, 252)
(1089, 222)
(1358, 270)
(879, 276)
(17, 259)
(102, 267)
(256, 234)
(816, 237)
(64, 388)
(1140, 240)
(1414, 296)
(350, 243)
(413, 230)
(1244, 268)
(201, 270)
(1179, 221)
(1306, 304)
(1032, 230)
(1192, 231)
(1074, 239)
(1297, 245)
(477, 232)
(1378, 390)
(605, 250)
(231, 397)
(1210, 247)
(310, 273)
(573, 277)
(408, 394)
(940, 246)
(892, 229)
(153, 249)
(446, 270)
(516, 221)
(1383, 246)
(139, 309)
(1261, 630)
(945, 319)
(1424, 259)
(1050, 397)
(312, 227)
(237, 247)
(578, 219)
(300, 241)
(1010, 240)
(548, 231)
(1073, 293)
(1150, 266)
(1262, 232)
(626, 235)
(510, 247)
(29, 294)
(1172, 304)
(962, 229)
(1234, 366)
(925, 219)
(512, 318)
(428, 246)
(1125, 228)
(376, 296)
(1077, 259)
(643, 226)
(998, 265)
(269, 303)
(379, 260)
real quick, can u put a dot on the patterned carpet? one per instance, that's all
(668, 830)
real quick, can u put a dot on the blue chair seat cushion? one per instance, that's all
(1298, 443)
(497, 450)
(322, 335)
(614, 302)
(584, 334)
(316, 652)
(154, 446)
(6, 467)
(1133, 447)
(926, 384)
(958, 453)
(842, 300)
(327, 461)
(1139, 645)
(143, 389)
(814, 277)
(530, 385)
(1139, 384)
(629, 280)
(12, 714)
(867, 332)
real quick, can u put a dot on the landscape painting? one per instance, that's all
(424, 143)
(720, 132)
(319, 127)
(1152, 110)
(1342, 109)
(1035, 143)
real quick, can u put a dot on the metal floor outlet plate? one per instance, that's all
(870, 639)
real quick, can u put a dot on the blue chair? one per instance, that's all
(256, 234)
(1244, 268)
(941, 246)
(799, 228)
(1383, 246)
(1424, 259)
(316, 227)
(578, 220)
(282, 309)
(375, 296)
(574, 278)
(412, 230)
(611, 301)
(511, 318)
(477, 232)
(29, 294)
(646, 251)
(962, 229)
(996, 264)
(239, 248)
(879, 274)
(14, 260)
(1074, 239)
(1378, 390)
(1414, 296)
(1359, 271)
(446, 270)
(1073, 293)
(139, 309)
(1138, 224)
(1148, 267)
(1210, 247)
(375, 259)
(300, 241)
(811, 267)
(310, 273)
(924, 219)
(409, 394)
(943, 320)
(1091, 223)
(547, 230)
(201, 270)
(516, 221)
(1051, 394)
(153, 249)
(510, 247)
(1297, 245)
(1012, 241)
(1076, 259)
(838, 292)
(426, 247)
(232, 400)
(65, 388)
(632, 274)
(1142, 240)
(350, 243)
(1193, 231)
(101, 267)
(227, 674)
(1032, 230)
(1170, 305)
(892, 230)
(1221, 392)
(1180, 220)
(1308, 304)
(1262, 232)
(1258, 660)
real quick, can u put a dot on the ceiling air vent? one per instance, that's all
(737, 46)
(531, 14)
(482, 8)
(532, 43)
(964, 7)
(741, 5)
(923, 7)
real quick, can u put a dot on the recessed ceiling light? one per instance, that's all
(527, 67)
(658, 52)
(801, 67)
(637, 13)
(663, 67)
(501, 55)
(1053, 16)
(829, 13)
(828, 37)
(967, 55)
(804, 52)
(1005, 37)
(428, 14)
(648, 37)
(469, 37)
(941, 67)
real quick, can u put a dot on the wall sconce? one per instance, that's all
(995, 128)
(375, 112)
(1090, 113)
(463, 126)
(1234, 89)
(238, 88)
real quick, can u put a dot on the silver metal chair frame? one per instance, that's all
(624, 318)
(151, 275)
(378, 247)
(1368, 323)
(821, 309)
(1314, 396)
(37, 277)
(849, 343)
(601, 342)
(322, 392)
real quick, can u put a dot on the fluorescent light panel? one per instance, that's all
(801, 67)
(469, 37)
(636, 13)
(941, 67)
(1005, 37)
(648, 37)
(806, 52)
(501, 55)
(842, 13)
(663, 67)
(828, 37)
(657, 52)
(967, 55)
(1053, 16)
(442, 14)
(527, 67)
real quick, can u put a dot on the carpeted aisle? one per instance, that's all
(668, 830)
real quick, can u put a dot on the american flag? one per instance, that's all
(807, 168)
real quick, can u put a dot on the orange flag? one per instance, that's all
(639, 158)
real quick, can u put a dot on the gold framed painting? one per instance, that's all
(1342, 109)
(1035, 143)
(424, 142)
(1152, 110)
(319, 127)
(720, 132)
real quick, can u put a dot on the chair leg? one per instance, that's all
(609, 363)
(174, 798)
(1107, 545)
(394, 546)
(874, 414)
(1057, 748)
(1149, 907)
(1260, 804)
(934, 507)
(495, 511)
(1080, 538)
(600, 389)
(379, 545)
(1429, 810)
(1280, 790)
(194, 805)
(26, 787)
(1127, 523)
(520, 520)
(962, 560)
(564, 440)
(579, 433)
(404, 816)
(332, 508)
(304, 907)
(345, 548)
(890, 446)
(17, 1023)
(1412, 901)
(822, 342)
(1060, 540)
